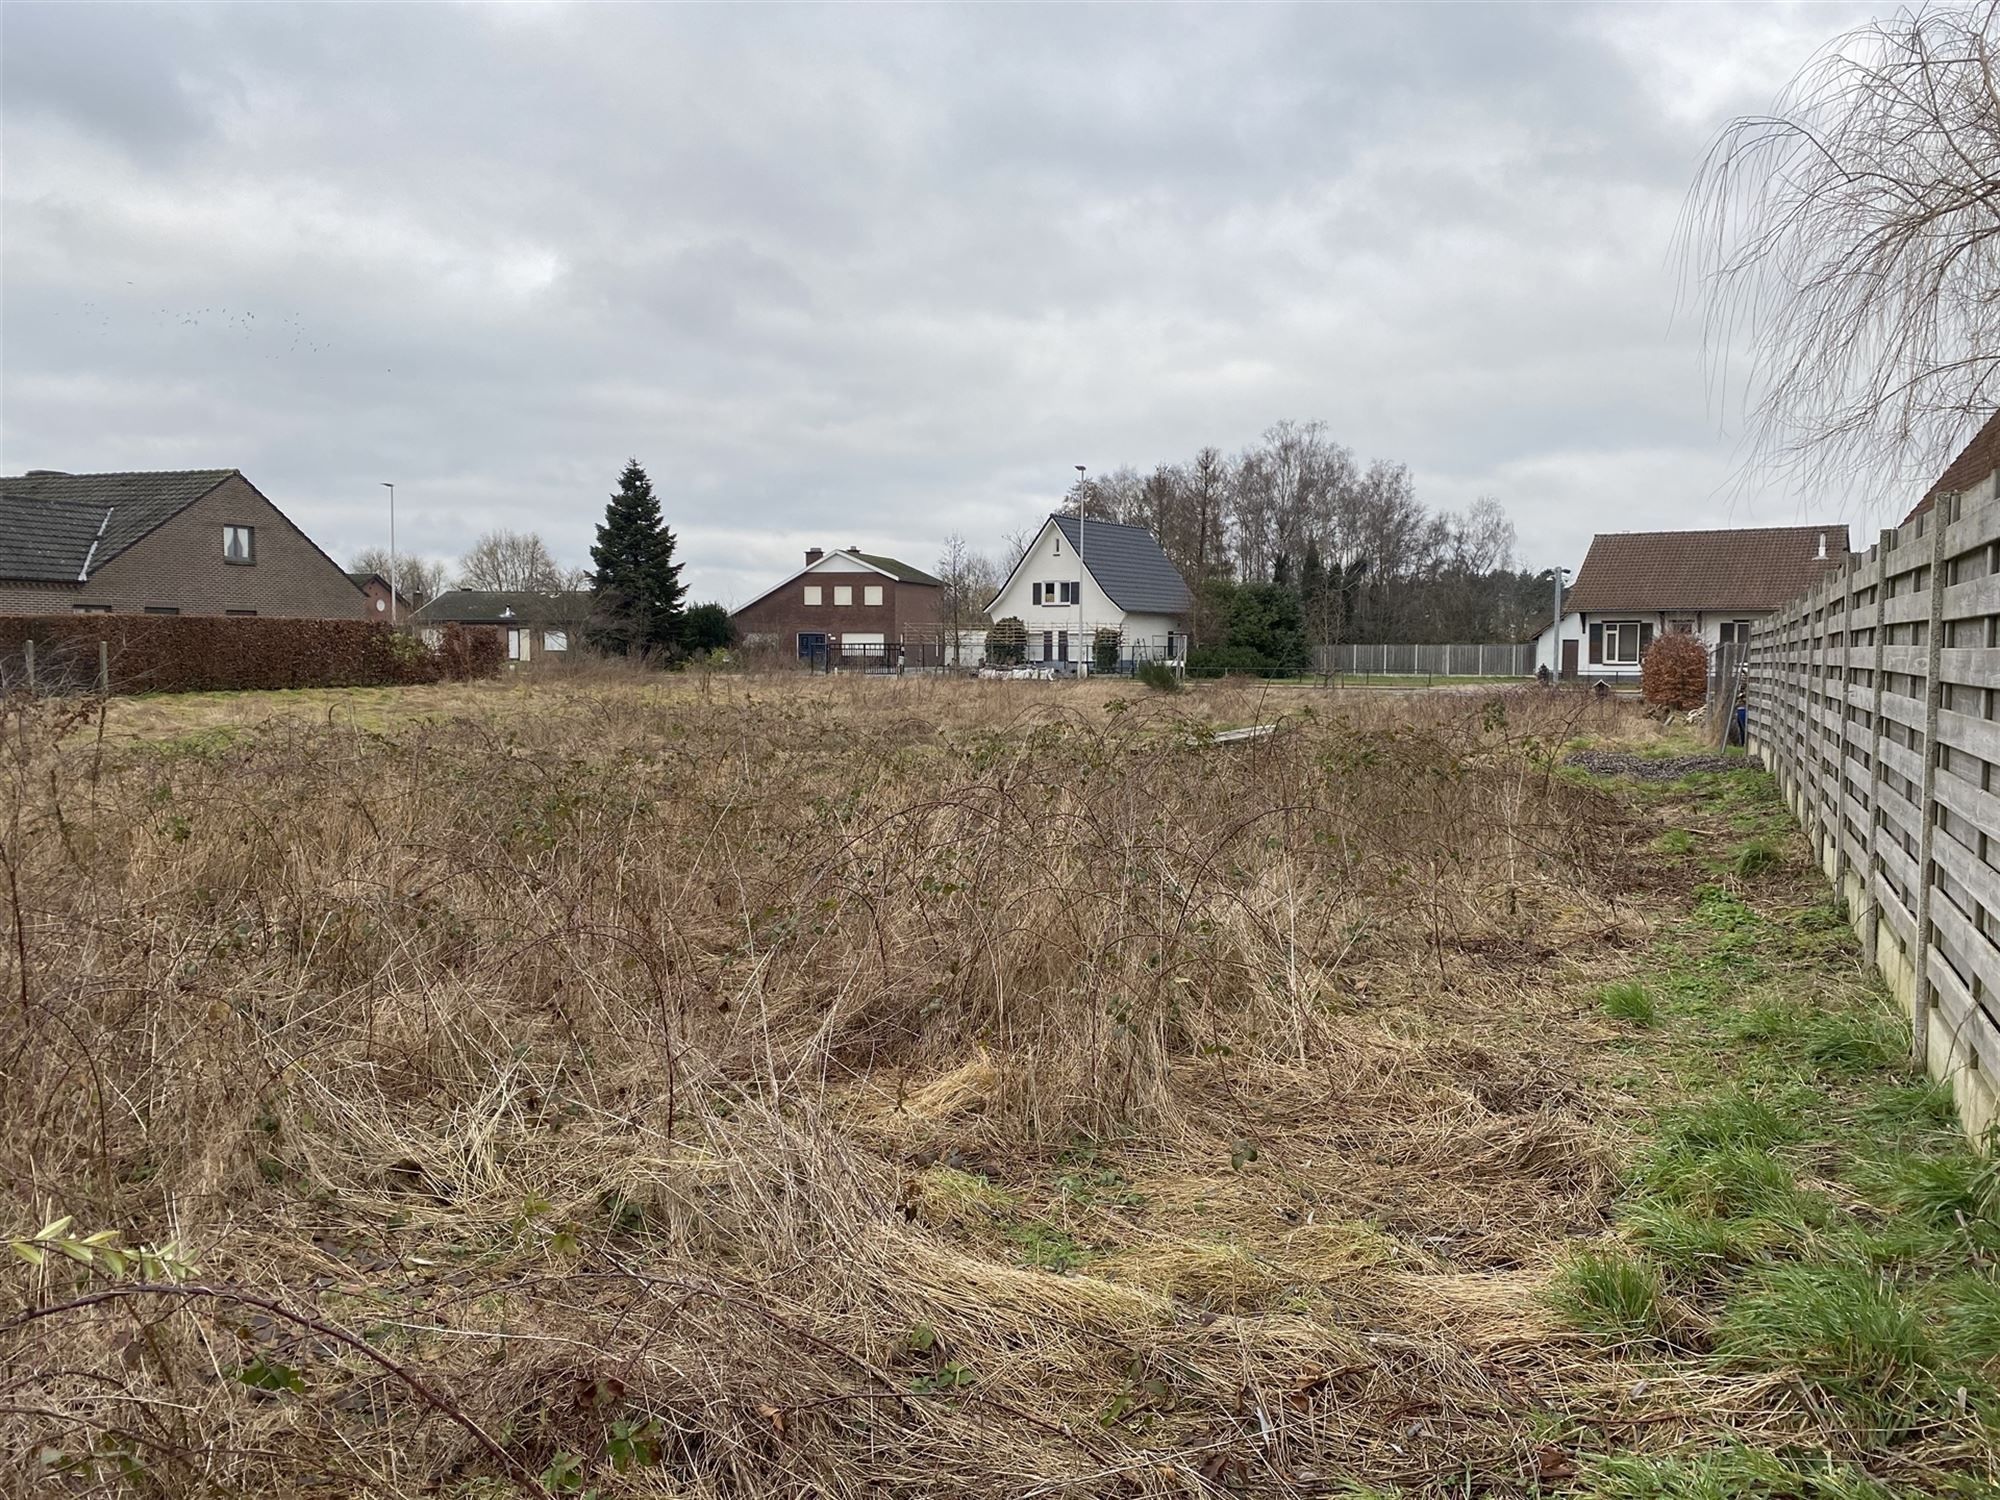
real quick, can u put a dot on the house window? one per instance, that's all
(871, 593)
(90, 609)
(242, 614)
(812, 593)
(843, 594)
(161, 609)
(812, 644)
(555, 640)
(239, 544)
(432, 637)
(1624, 641)
(1048, 645)
(1680, 627)
(1735, 633)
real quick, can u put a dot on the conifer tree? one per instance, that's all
(636, 585)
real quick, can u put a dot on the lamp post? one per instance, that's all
(393, 588)
(1079, 570)
(1556, 631)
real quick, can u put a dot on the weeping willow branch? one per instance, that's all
(1849, 241)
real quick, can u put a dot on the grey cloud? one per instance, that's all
(882, 273)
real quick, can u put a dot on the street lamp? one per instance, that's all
(393, 589)
(1556, 630)
(1079, 571)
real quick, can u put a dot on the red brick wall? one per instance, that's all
(909, 612)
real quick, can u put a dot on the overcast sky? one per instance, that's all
(865, 275)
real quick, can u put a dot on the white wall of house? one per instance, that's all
(1051, 560)
(834, 562)
(1708, 624)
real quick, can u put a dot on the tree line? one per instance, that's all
(1360, 557)
(629, 602)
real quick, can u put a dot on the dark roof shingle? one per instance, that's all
(43, 510)
(48, 541)
(1129, 565)
(1747, 568)
(902, 572)
(501, 606)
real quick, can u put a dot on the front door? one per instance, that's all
(1062, 645)
(1569, 658)
(812, 645)
(517, 644)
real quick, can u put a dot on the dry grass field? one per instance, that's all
(724, 1087)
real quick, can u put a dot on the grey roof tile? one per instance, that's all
(1129, 565)
(47, 540)
(44, 505)
(500, 606)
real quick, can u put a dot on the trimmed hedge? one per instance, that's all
(211, 653)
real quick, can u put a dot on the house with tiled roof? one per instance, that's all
(192, 542)
(848, 605)
(1975, 473)
(1637, 585)
(529, 624)
(1079, 577)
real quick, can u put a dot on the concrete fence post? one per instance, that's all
(104, 669)
(28, 652)
(1871, 911)
(1943, 512)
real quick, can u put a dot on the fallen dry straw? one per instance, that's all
(830, 1091)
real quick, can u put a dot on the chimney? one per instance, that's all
(813, 555)
(1822, 546)
(854, 546)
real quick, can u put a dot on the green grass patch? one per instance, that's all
(1046, 1247)
(1612, 1294)
(1628, 1000)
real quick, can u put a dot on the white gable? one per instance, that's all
(842, 562)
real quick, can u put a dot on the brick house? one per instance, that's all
(532, 625)
(1636, 585)
(200, 542)
(848, 605)
(378, 593)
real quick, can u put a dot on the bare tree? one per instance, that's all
(1853, 235)
(512, 561)
(970, 581)
(418, 579)
(1014, 546)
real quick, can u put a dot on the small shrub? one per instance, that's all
(1628, 1000)
(1007, 642)
(1674, 673)
(1160, 677)
(1104, 649)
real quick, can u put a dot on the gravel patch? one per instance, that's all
(1654, 767)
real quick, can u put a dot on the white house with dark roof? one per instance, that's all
(1077, 578)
